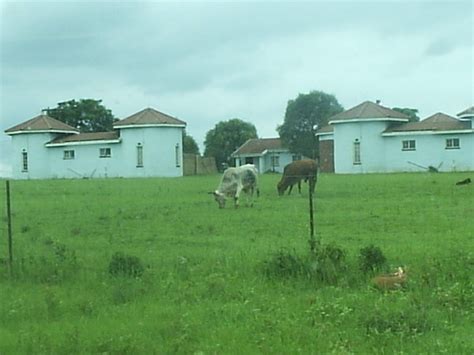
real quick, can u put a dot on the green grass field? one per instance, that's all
(237, 281)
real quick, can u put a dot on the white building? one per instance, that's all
(146, 144)
(267, 154)
(371, 138)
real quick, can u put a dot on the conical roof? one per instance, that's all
(149, 116)
(41, 123)
(367, 111)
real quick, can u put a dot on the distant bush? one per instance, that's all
(327, 264)
(285, 264)
(371, 259)
(125, 265)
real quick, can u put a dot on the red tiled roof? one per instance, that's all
(367, 110)
(436, 122)
(41, 123)
(259, 145)
(149, 116)
(84, 137)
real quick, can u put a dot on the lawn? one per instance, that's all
(197, 279)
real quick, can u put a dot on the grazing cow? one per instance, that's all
(234, 181)
(297, 171)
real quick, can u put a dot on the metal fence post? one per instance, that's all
(9, 226)
(312, 239)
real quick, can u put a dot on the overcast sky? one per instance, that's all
(206, 62)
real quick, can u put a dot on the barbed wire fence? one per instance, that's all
(116, 222)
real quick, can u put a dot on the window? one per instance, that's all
(356, 157)
(105, 153)
(452, 143)
(139, 155)
(68, 154)
(177, 155)
(24, 161)
(296, 157)
(275, 161)
(409, 145)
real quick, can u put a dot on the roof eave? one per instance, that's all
(40, 131)
(97, 141)
(427, 132)
(381, 119)
(148, 125)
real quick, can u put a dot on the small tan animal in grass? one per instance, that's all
(391, 281)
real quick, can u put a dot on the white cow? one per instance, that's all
(235, 180)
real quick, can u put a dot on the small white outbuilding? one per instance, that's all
(145, 144)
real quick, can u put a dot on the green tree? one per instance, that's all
(302, 117)
(226, 137)
(189, 144)
(87, 115)
(412, 113)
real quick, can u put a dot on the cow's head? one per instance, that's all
(281, 187)
(220, 198)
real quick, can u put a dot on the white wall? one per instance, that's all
(371, 146)
(87, 161)
(159, 155)
(430, 151)
(33, 144)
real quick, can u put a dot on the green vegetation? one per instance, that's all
(152, 265)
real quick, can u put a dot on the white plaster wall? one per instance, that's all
(430, 151)
(38, 159)
(371, 147)
(158, 151)
(285, 158)
(87, 161)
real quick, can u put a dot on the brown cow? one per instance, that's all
(294, 172)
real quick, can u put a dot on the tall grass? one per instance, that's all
(235, 281)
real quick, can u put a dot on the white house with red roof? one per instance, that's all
(371, 138)
(145, 144)
(267, 154)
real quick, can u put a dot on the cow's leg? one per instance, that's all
(236, 197)
(291, 188)
(299, 187)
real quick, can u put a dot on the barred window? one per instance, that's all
(452, 143)
(24, 161)
(69, 154)
(409, 145)
(139, 155)
(356, 157)
(105, 153)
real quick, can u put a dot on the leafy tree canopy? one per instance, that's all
(412, 113)
(303, 115)
(226, 137)
(87, 115)
(189, 144)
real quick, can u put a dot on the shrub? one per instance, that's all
(371, 259)
(125, 265)
(327, 264)
(285, 264)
